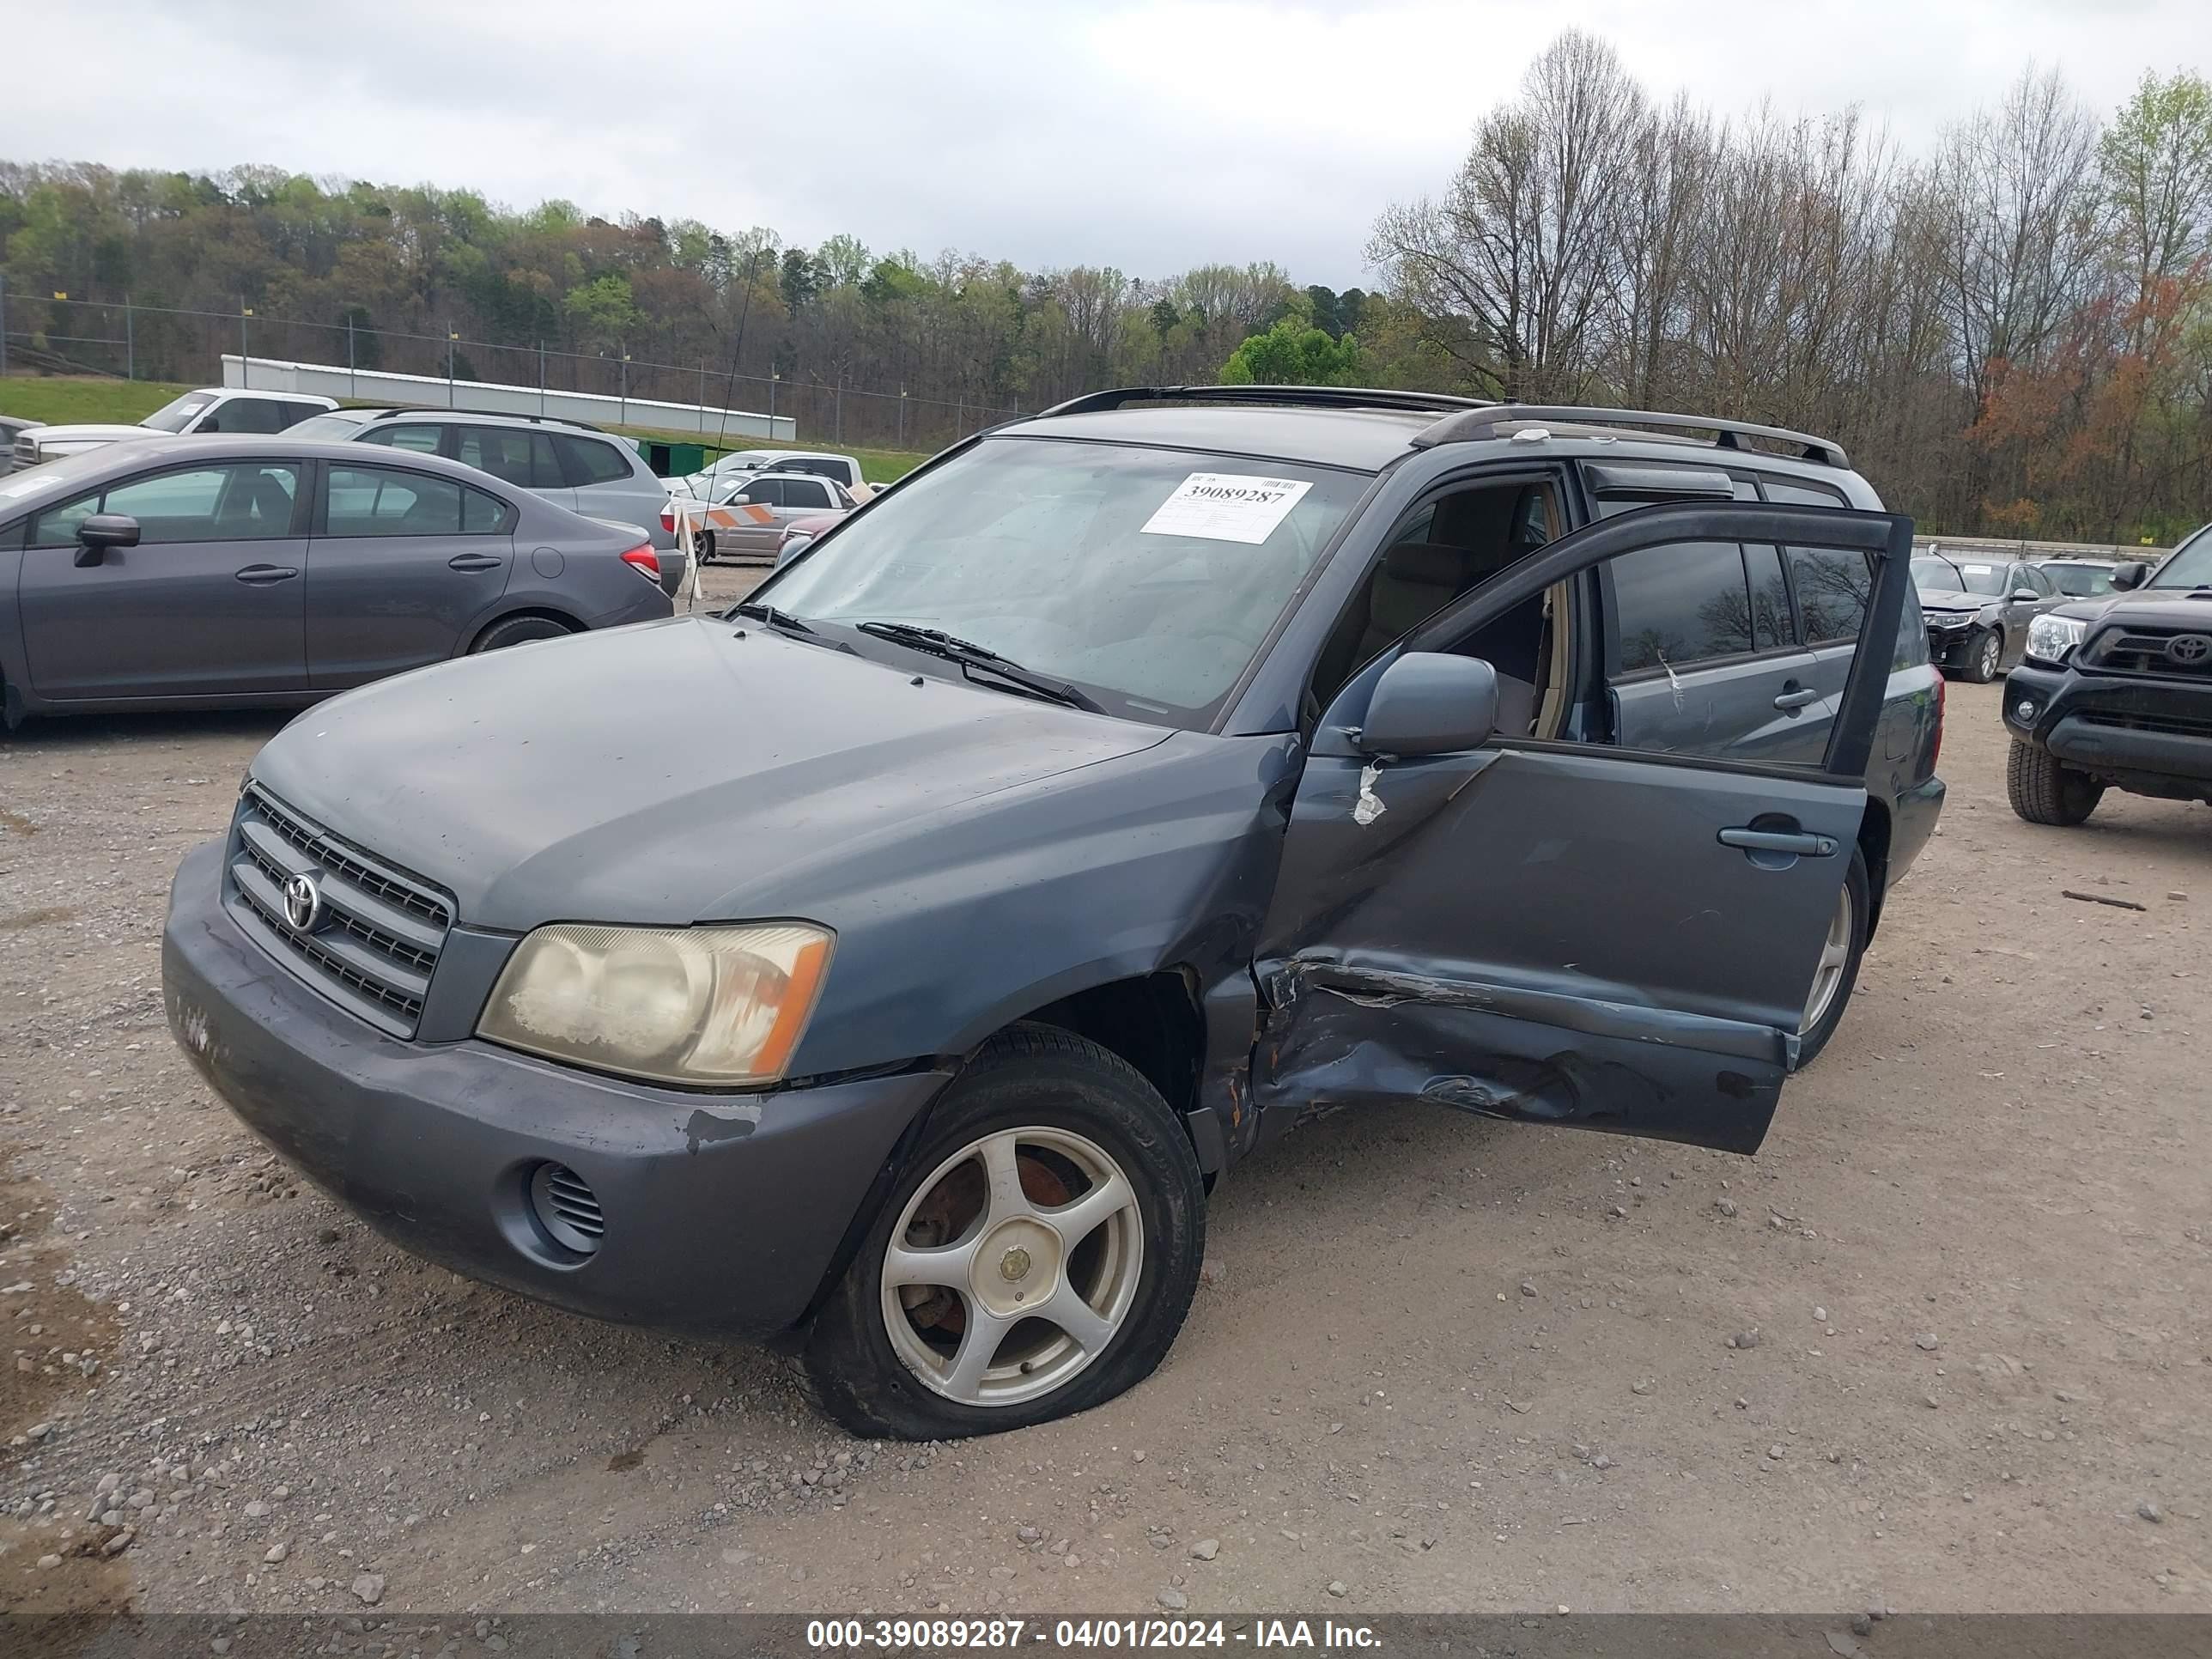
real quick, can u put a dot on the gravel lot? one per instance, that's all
(1944, 1344)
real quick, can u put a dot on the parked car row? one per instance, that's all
(841, 469)
(777, 502)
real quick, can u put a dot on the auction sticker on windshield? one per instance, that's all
(1226, 507)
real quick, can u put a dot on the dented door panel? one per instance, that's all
(1572, 933)
(1551, 933)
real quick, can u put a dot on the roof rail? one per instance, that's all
(1490, 421)
(1301, 397)
(389, 411)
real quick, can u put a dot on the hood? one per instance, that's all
(1949, 599)
(2157, 607)
(696, 769)
(53, 437)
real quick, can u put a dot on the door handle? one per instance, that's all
(261, 575)
(474, 562)
(1790, 702)
(1801, 842)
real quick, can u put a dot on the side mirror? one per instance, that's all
(2025, 595)
(1430, 703)
(103, 530)
(2132, 573)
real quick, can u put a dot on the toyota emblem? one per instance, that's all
(303, 904)
(2189, 650)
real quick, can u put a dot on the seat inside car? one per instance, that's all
(1443, 550)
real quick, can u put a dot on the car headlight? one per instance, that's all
(2050, 638)
(713, 1007)
(1947, 620)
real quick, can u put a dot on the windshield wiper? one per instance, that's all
(782, 621)
(969, 655)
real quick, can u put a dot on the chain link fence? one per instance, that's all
(62, 336)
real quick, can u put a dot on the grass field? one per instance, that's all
(56, 399)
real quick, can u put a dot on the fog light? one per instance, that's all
(2024, 711)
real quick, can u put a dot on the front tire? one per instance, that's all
(1985, 656)
(2044, 790)
(1841, 952)
(706, 545)
(1036, 1257)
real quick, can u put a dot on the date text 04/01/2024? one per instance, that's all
(896, 1634)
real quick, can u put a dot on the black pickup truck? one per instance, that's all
(2115, 693)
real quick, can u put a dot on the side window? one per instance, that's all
(209, 503)
(257, 415)
(764, 492)
(292, 414)
(2030, 576)
(1677, 606)
(1832, 591)
(523, 458)
(57, 525)
(417, 439)
(588, 461)
(376, 501)
(484, 515)
(806, 493)
(1771, 627)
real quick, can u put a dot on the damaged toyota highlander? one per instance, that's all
(1133, 783)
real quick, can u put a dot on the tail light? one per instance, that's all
(1935, 749)
(643, 559)
(668, 521)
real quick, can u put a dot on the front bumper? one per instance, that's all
(724, 1213)
(1946, 646)
(2126, 730)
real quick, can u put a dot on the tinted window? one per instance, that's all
(1683, 603)
(2028, 575)
(484, 515)
(764, 492)
(1770, 626)
(376, 501)
(417, 439)
(523, 457)
(209, 503)
(1833, 590)
(248, 414)
(805, 492)
(590, 462)
(290, 414)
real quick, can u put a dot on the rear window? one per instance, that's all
(590, 462)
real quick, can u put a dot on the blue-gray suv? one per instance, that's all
(1133, 783)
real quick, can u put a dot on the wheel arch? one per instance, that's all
(550, 613)
(1154, 1021)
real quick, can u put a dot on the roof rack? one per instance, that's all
(1301, 397)
(1491, 420)
(384, 412)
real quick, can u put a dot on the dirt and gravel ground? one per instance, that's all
(1946, 1343)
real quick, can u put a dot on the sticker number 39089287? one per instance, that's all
(1226, 507)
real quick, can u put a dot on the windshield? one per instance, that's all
(177, 414)
(1940, 574)
(338, 426)
(2081, 581)
(2191, 565)
(1150, 576)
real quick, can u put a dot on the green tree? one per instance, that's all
(1293, 353)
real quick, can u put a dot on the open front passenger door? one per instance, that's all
(1574, 932)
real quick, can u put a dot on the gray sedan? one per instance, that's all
(205, 572)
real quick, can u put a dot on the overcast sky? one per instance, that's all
(1149, 136)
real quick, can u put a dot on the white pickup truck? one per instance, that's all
(210, 409)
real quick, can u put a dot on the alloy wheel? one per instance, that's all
(1835, 958)
(1012, 1266)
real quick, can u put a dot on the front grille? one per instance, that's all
(2139, 650)
(2180, 726)
(567, 1208)
(375, 942)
